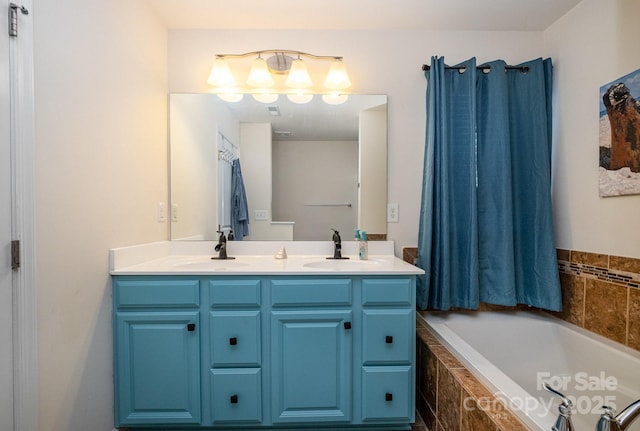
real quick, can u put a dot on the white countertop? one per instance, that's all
(256, 258)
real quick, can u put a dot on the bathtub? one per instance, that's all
(514, 353)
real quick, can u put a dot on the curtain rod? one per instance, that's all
(523, 69)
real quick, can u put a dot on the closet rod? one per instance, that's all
(523, 69)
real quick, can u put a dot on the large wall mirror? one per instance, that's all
(306, 168)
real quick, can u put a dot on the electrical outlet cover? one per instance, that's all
(392, 213)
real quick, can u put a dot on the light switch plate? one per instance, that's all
(174, 212)
(260, 215)
(162, 212)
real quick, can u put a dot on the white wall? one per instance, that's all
(593, 44)
(194, 166)
(379, 62)
(372, 193)
(255, 162)
(100, 130)
(194, 123)
(309, 179)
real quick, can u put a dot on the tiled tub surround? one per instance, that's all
(600, 293)
(514, 352)
(449, 397)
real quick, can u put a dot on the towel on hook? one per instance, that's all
(239, 210)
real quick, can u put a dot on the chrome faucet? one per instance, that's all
(221, 247)
(337, 246)
(609, 422)
(563, 423)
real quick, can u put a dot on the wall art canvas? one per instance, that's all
(620, 136)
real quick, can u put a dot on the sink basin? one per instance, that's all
(207, 263)
(342, 264)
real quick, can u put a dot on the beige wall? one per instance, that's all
(592, 45)
(100, 130)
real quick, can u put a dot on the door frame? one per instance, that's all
(25, 319)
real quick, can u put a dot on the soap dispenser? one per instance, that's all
(363, 246)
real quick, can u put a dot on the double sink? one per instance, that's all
(255, 258)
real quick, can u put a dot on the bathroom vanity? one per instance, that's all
(263, 343)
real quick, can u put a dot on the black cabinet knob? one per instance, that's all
(233, 399)
(347, 325)
(388, 396)
(233, 341)
(191, 327)
(388, 339)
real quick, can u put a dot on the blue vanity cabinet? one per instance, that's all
(254, 352)
(156, 352)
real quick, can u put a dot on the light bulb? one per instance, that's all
(337, 78)
(265, 96)
(230, 96)
(298, 75)
(220, 75)
(259, 75)
(334, 98)
(300, 97)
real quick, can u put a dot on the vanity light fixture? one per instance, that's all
(297, 85)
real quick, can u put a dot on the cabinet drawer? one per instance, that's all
(234, 293)
(388, 291)
(157, 293)
(235, 338)
(387, 336)
(387, 393)
(235, 395)
(322, 292)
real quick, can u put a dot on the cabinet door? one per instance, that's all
(157, 368)
(311, 362)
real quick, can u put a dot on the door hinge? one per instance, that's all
(13, 18)
(15, 254)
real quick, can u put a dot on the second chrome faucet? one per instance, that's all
(337, 246)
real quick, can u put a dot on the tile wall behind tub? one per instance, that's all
(600, 293)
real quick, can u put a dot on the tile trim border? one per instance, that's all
(624, 271)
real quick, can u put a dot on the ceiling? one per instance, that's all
(481, 15)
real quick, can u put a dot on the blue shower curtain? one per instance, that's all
(486, 230)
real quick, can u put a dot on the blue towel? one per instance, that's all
(239, 210)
